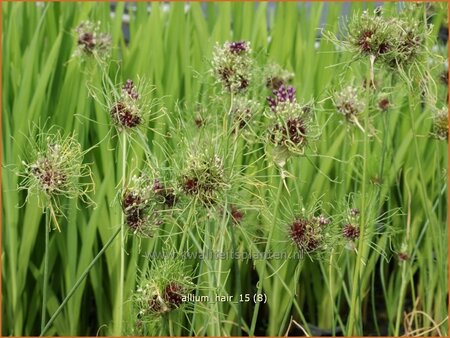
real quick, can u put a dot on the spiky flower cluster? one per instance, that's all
(275, 76)
(203, 177)
(144, 202)
(308, 233)
(56, 170)
(349, 103)
(440, 124)
(126, 112)
(243, 111)
(164, 289)
(395, 42)
(350, 229)
(290, 121)
(232, 65)
(91, 41)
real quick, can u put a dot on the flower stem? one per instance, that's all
(45, 277)
(263, 272)
(354, 324)
(122, 242)
(78, 282)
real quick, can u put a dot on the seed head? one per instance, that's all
(232, 65)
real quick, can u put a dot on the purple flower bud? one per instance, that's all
(130, 89)
(238, 47)
(282, 94)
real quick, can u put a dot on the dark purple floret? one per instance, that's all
(236, 215)
(282, 94)
(350, 232)
(238, 47)
(173, 294)
(124, 116)
(130, 89)
(87, 40)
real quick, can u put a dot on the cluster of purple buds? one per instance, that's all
(238, 47)
(130, 89)
(282, 94)
(125, 113)
(308, 233)
(232, 65)
(143, 204)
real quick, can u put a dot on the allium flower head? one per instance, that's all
(440, 124)
(162, 290)
(144, 202)
(308, 233)
(91, 41)
(126, 112)
(203, 177)
(350, 231)
(370, 34)
(232, 65)
(55, 169)
(349, 103)
(395, 41)
(275, 76)
(291, 122)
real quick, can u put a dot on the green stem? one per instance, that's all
(45, 277)
(354, 324)
(263, 272)
(237, 280)
(400, 300)
(120, 291)
(77, 284)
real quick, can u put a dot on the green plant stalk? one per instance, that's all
(401, 295)
(263, 272)
(291, 299)
(428, 208)
(355, 306)
(78, 282)
(237, 281)
(45, 277)
(120, 291)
